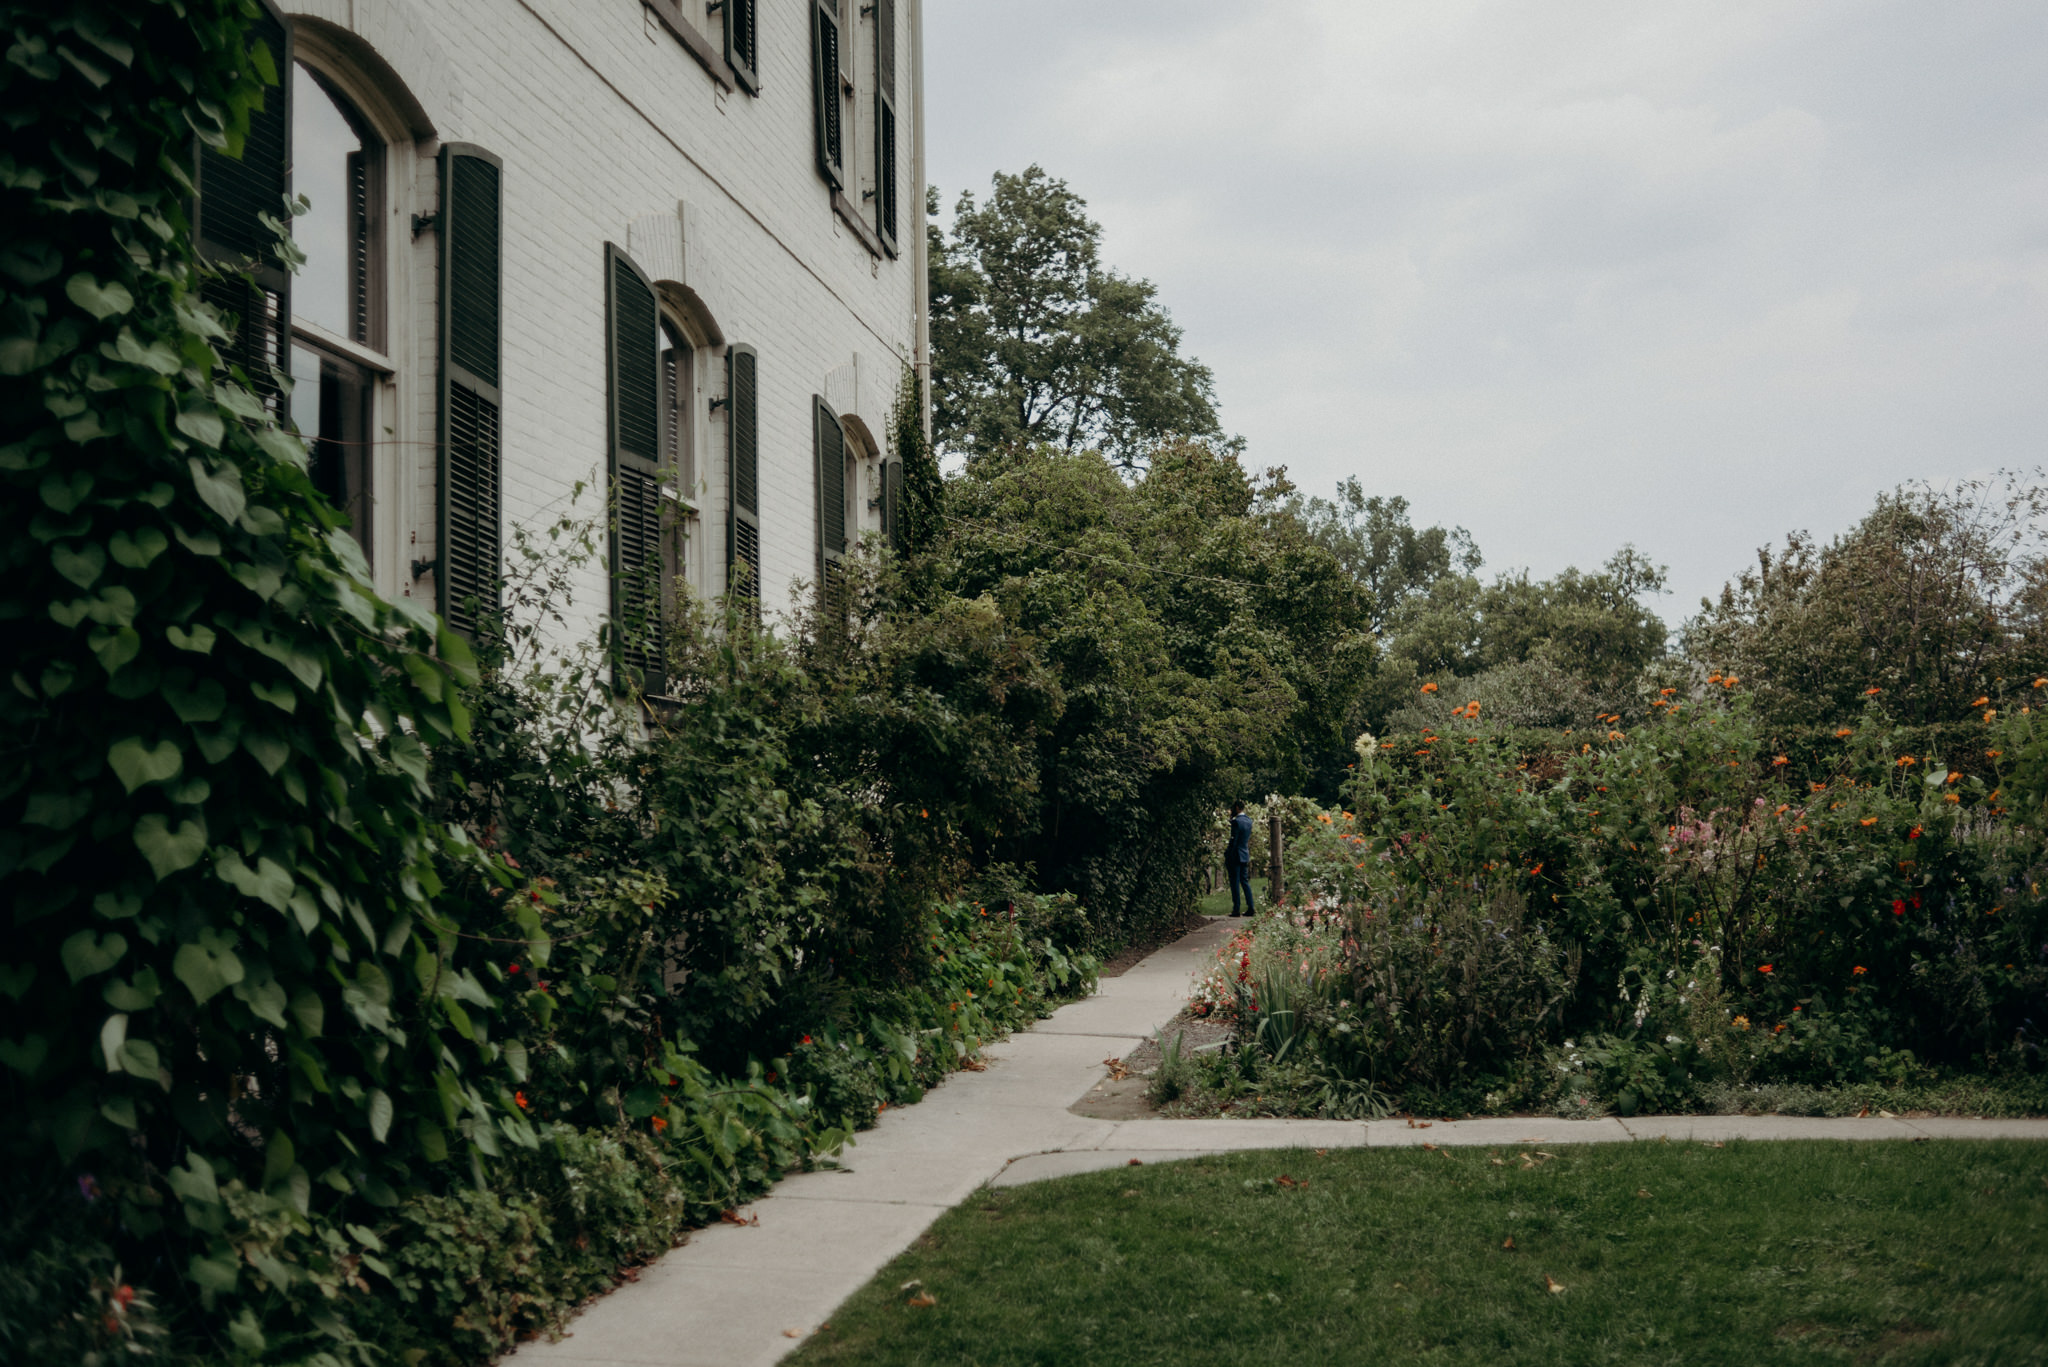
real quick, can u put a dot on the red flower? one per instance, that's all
(124, 1294)
(660, 1124)
(1913, 834)
(1763, 968)
(513, 969)
(807, 1039)
(1899, 907)
(520, 1097)
(1858, 971)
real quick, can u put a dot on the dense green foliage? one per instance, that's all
(1793, 1253)
(1035, 340)
(1202, 647)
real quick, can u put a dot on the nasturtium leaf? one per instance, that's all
(243, 1330)
(199, 543)
(138, 549)
(159, 356)
(138, 765)
(87, 953)
(208, 965)
(269, 882)
(82, 562)
(117, 649)
(258, 520)
(220, 488)
(195, 700)
(136, 994)
(204, 426)
(117, 906)
(120, 1110)
(169, 850)
(194, 1181)
(58, 678)
(101, 301)
(68, 615)
(379, 1114)
(24, 1056)
(191, 793)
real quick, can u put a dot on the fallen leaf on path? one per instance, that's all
(733, 1217)
(1322, 1153)
(1135, 1163)
(1284, 1180)
(1550, 1285)
(1414, 1124)
(973, 1065)
(1117, 1071)
(923, 1300)
(792, 1333)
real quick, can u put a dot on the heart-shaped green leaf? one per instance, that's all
(194, 1182)
(220, 488)
(208, 965)
(203, 425)
(137, 994)
(118, 649)
(139, 1059)
(269, 882)
(379, 1115)
(120, 1110)
(199, 640)
(266, 1000)
(138, 765)
(279, 695)
(101, 301)
(15, 979)
(195, 700)
(58, 811)
(68, 615)
(26, 1055)
(64, 490)
(137, 549)
(270, 751)
(87, 953)
(82, 562)
(169, 850)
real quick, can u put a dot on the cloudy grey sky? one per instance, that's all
(1687, 273)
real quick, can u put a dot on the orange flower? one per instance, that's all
(1429, 688)
(1951, 797)
(1730, 681)
(1779, 760)
(1783, 807)
(1980, 702)
(1858, 970)
(2041, 683)
(1872, 692)
(1989, 713)
(1763, 968)
(1953, 775)
(1913, 834)
(1907, 759)
(1666, 692)
(520, 1097)
(1817, 787)
(924, 813)
(1870, 821)
(1993, 754)
(1844, 733)
(1714, 677)
(1614, 735)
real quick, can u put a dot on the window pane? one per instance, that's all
(330, 406)
(329, 167)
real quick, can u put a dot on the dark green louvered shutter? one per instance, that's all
(829, 444)
(742, 43)
(233, 195)
(471, 228)
(885, 123)
(743, 473)
(825, 59)
(633, 373)
(892, 502)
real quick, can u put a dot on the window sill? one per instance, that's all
(850, 215)
(670, 12)
(342, 346)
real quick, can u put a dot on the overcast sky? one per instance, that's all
(1569, 274)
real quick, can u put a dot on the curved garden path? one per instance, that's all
(745, 1295)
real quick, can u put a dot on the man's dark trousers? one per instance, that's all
(1240, 874)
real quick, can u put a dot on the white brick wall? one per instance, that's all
(607, 127)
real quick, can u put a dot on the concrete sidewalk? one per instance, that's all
(743, 1296)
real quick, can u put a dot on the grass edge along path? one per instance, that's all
(1889, 1252)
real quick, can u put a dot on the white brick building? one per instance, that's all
(609, 160)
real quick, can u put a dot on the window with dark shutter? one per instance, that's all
(885, 123)
(633, 369)
(743, 466)
(825, 59)
(742, 51)
(829, 445)
(234, 194)
(471, 229)
(892, 503)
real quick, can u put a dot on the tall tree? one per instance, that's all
(1378, 546)
(1034, 340)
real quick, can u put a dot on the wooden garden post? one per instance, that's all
(1273, 883)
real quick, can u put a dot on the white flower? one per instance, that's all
(1671, 1039)
(1365, 745)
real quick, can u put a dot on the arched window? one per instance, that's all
(338, 304)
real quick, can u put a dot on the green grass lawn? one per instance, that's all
(1873, 1252)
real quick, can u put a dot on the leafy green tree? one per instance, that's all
(1035, 340)
(1375, 542)
(1934, 598)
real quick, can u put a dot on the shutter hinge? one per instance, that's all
(717, 404)
(866, 10)
(422, 222)
(420, 567)
(714, 7)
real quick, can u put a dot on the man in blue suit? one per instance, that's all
(1237, 860)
